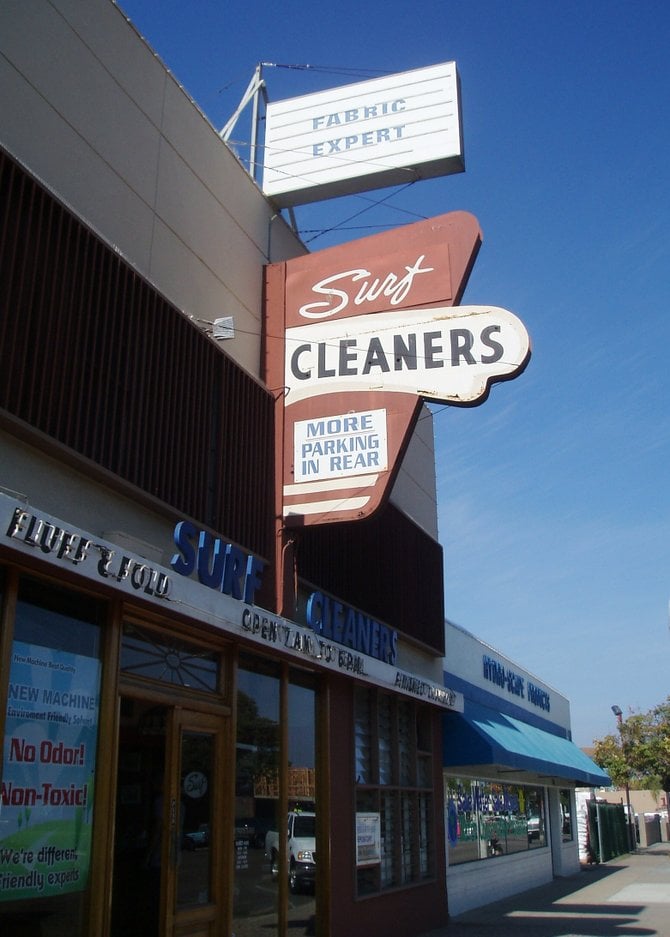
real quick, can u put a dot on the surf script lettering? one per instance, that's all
(393, 286)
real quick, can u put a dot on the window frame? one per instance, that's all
(396, 782)
(494, 819)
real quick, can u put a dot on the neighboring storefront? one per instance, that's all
(159, 731)
(510, 773)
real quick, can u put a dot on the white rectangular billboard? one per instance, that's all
(363, 136)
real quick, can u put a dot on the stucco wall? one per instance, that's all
(51, 486)
(92, 111)
(415, 491)
(464, 654)
(477, 883)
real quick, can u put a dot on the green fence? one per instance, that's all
(608, 836)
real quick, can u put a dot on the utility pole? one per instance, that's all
(629, 819)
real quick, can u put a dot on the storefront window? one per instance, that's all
(487, 819)
(255, 904)
(302, 800)
(49, 762)
(394, 799)
(259, 761)
(565, 797)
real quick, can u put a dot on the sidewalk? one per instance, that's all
(629, 895)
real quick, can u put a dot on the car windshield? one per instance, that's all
(304, 826)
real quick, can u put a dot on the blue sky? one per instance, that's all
(553, 495)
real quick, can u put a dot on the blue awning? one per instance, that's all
(483, 737)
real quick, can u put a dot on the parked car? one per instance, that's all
(196, 839)
(534, 828)
(301, 849)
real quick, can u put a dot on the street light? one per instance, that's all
(631, 835)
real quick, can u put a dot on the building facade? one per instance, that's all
(510, 774)
(163, 725)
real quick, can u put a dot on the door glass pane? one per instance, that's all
(194, 828)
(139, 826)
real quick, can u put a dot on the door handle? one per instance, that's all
(174, 844)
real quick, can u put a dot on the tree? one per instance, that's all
(257, 745)
(640, 756)
(608, 753)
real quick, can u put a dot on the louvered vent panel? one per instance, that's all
(98, 360)
(386, 566)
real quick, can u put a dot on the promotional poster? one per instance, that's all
(49, 768)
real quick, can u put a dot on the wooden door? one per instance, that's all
(168, 867)
(193, 883)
